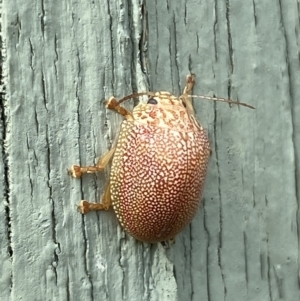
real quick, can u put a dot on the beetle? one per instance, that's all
(159, 165)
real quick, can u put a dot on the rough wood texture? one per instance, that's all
(61, 59)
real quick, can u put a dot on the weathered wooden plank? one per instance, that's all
(5, 248)
(62, 60)
(5, 233)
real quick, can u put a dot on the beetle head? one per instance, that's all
(165, 99)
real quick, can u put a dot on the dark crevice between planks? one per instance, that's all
(246, 258)
(220, 200)
(191, 263)
(143, 42)
(215, 30)
(230, 47)
(123, 242)
(112, 61)
(139, 46)
(134, 48)
(269, 271)
(185, 13)
(43, 15)
(4, 123)
(68, 289)
(54, 222)
(173, 31)
(4, 149)
(254, 13)
(208, 239)
(56, 56)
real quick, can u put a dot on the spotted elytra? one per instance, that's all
(158, 167)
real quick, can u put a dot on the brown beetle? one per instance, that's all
(159, 166)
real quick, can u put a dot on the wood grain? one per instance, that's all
(61, 59)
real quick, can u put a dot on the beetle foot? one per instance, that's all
(112, 103)
(167, 244)
(190, 78)
(84, 207)
(75, 171)
(190, 82)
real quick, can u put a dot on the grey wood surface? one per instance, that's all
(61, 59)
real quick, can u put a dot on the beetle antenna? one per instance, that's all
(193, 96)
(222, 100)
(135, 95)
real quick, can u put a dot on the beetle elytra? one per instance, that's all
(159, 166)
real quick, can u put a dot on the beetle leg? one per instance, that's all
(77, 171)
(187, 91)
(190, 82)
(106, 199)
(167, 244)
(113, 104)
(85, 206)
